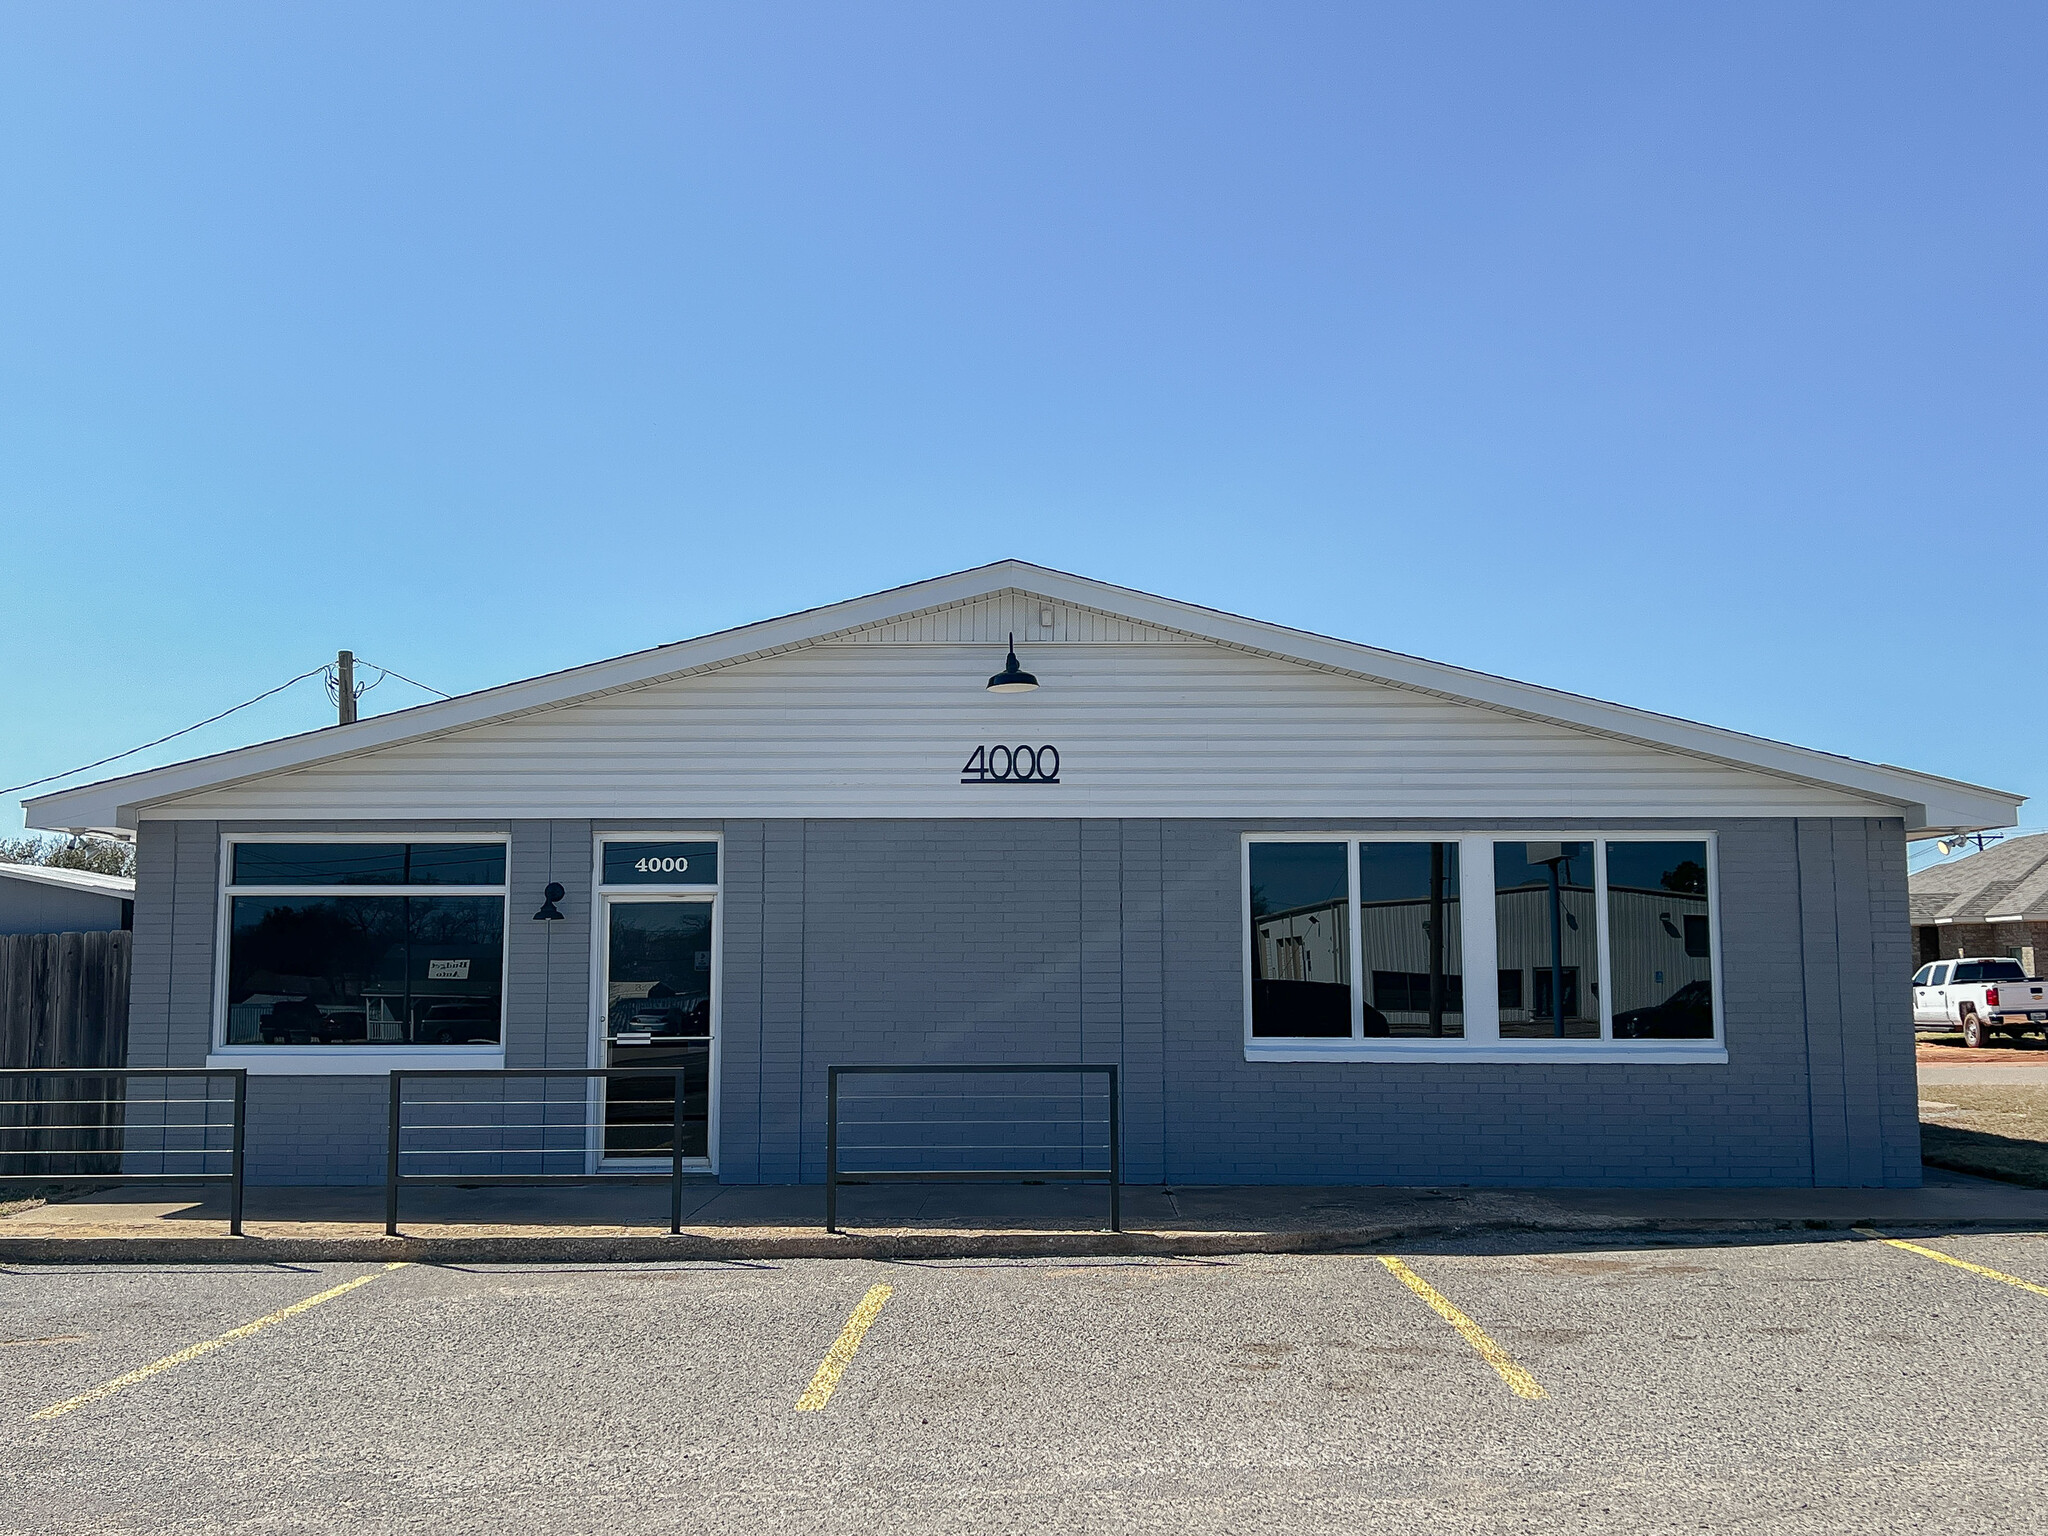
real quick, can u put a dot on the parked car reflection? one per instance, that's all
(1687, 1014)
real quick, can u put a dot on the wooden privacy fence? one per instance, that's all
(63, 1003)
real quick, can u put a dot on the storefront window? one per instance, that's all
(1659, 933)
(1410, 928)
(368, 864)
(361, 967)
(1548, 932)
(1572, 943)
(1301, 940)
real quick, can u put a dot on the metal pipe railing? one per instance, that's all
(396, 1128)
(122, 1131)
(834, 1177)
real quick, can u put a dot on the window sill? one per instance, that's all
(1662, 1052)
(352, 1061)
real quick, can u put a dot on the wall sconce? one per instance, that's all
(549, 912)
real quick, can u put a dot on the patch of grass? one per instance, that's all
(1996, 1131)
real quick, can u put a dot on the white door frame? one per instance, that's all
(600, 1002)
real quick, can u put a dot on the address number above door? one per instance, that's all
(660, 863)
(1012, 765)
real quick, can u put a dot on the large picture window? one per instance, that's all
(1568, 944)
(1661, 933)
(1411, 933)
(1301, 940)
(338, 945)
(1548, 930)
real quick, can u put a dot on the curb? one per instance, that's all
(555, 1248)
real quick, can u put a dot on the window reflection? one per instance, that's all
(658, 1016)
(1548, 932)
(365, 970)
(1408, 920)
(1661, 943)
(1301, 940)
(369, 864)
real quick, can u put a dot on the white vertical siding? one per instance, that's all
(992, 620)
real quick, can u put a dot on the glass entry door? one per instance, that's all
(657, 1015)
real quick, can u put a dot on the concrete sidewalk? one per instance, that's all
(604, 1221)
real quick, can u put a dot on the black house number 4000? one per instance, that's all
(1012, 765)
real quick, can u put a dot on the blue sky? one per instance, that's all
(1690, 357)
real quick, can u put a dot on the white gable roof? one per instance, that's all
(979, 608)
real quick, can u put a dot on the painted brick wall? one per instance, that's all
(1121, 941)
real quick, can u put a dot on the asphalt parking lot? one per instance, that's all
(1823, 1382)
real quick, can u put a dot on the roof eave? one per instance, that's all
(1929, 805)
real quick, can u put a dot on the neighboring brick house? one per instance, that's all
(1992, 903)
(1338, 914)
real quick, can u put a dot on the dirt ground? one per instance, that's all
(1949, 1051)
(2000, 1131)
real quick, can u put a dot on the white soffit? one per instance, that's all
(1002, 596)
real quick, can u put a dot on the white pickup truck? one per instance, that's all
(1981, 997)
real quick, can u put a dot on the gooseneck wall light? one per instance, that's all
(1013, 678)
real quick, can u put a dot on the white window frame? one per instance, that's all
(351, 1060)
(1477, 903)
(602, 897)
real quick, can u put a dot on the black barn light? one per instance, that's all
(1013, 678)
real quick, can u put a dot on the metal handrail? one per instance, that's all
(238, 1076)
(395, 1128)
(1112, 1175)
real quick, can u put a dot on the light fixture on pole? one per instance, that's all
(1013, 678)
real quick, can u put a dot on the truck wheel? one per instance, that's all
(1975, 1035)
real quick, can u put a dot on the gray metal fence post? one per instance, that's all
(391, 1156)
(241, 1143)
(831, 1149)
(675, 1166)
(1116, 1155)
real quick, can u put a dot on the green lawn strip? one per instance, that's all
(1998, 1132)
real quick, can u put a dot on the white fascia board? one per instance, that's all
(1930, 805)
(1925, 800)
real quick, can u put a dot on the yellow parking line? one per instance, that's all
(107, 1389)
(840, 1355)
(1519, 1381)
(1949, 1258)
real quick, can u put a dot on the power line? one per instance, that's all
(327, 668)
(428, 687)
(174, 735)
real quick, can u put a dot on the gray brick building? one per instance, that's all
(1335, 914)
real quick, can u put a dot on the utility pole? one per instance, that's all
(345, 693)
